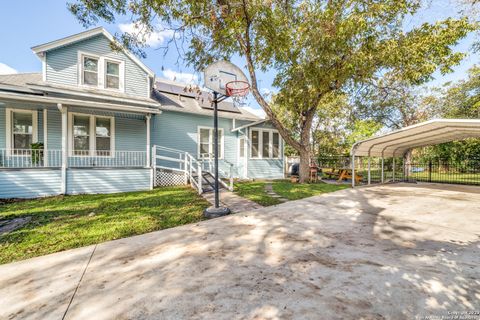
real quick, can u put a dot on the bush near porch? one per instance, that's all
(66, 222)
(255, 190)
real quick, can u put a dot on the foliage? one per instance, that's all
(37, 152)
(65, 222)
(313, 48)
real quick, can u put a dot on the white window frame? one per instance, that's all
(92, 135)
(121, 74)
(102, 71)
(210, 141)
(9, 127)
(260, 144)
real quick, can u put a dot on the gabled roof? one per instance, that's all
(396, 143)
(38, 50)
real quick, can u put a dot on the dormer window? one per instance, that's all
(112, 75)
(90, 71)
(101, 72)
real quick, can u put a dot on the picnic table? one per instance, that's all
(343, 174)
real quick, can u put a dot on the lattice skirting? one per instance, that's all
(165, 177)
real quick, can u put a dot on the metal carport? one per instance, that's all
(397, 143)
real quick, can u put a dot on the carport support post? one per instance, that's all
(382, 171)
(393, 169)
(369, 175)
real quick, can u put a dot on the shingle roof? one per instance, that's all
(20, 79)
(173, 97)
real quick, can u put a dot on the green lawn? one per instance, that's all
(65, 222)
(255, 190)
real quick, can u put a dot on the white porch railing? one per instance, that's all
(107, 159)
(193, 169)
(36, 158)
(30, 158)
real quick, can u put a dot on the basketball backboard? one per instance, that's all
(220, 73)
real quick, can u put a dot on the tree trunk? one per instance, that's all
(304, 169)
(407, 163)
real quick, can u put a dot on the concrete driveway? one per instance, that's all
(385, 252)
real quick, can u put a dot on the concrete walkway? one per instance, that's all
(385, 252)
(233, 201)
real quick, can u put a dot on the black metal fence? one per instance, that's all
(466, 171)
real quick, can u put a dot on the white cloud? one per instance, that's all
(153, 39)
(189, 78)
(4, 69)
(256, 111)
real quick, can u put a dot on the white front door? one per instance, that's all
(242, 157)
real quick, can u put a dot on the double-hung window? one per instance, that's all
(90, 71)
(21, 130)
(112, 75)
(101, 72)
(91, 135)
(206, 142)
(265, 144)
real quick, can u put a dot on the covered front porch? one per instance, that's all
(51, 145)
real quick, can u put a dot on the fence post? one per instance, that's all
(200, 178)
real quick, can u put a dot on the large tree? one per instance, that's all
(314, 48)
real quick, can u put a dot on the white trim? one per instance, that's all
(73, 102)
(241, 161)
(99, 95)
(45, 136)
(85, 35)
(147, 119)
(9, 126)
(64, 111)
(210, 141)
(249, 125)
(121, 74)
(91, 135)
(270, 142)
(81, 55)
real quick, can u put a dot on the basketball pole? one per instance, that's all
(216, 211)
(215, 152)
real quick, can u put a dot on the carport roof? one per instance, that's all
(428, 133)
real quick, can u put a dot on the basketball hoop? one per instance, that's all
(237, 88)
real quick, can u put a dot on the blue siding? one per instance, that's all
(62, 65)
(2, 128)
(54, 129)
(29, 183)
(180, 131)
(107, 181)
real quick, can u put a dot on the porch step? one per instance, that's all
(208, 182)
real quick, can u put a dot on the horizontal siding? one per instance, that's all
(107, 181)
(180, 131)
(62, 65)
(265, 168)
(29, 183)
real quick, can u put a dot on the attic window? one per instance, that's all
(112, 75)
(90, 71)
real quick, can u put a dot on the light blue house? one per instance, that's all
(97, 120)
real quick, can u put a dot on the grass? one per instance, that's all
(255, 190)
(66, 222)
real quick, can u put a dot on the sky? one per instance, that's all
(26, 23)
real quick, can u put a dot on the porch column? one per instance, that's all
(45, 138)
(63, 110)
(382, 171)
(147, 118)
(393, 167)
